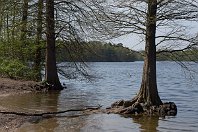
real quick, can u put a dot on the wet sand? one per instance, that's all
(10, 122)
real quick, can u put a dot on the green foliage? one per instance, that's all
(16, 56)
(96, 51)
(15, 69)
(187, 55)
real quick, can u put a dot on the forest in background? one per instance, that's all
(96, 51)
(15, 60)
(31, 31)
(35, 35)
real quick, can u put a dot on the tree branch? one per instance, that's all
(50, 113)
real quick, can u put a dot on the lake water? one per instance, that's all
(115, 81)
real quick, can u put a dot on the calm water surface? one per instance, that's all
(115, 81)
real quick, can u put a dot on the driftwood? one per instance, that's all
(50, 113)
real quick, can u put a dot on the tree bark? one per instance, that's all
(148, 92)
(37, 61)
(24, 20)
(24, 28)
(51, 74)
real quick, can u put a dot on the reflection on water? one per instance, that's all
(31, 102)
(116, 81)
(55, 125)
(148, 124)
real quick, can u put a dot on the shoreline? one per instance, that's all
(8, 87)
(11, 122)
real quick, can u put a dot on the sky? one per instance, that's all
(131, 40)
(134, 42)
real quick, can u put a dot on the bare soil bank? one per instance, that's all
(10, 122)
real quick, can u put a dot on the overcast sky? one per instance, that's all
(131, 40)
(135, 42)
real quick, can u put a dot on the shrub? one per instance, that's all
(15, 69)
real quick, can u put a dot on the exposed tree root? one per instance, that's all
(51, 113)
(137, 106)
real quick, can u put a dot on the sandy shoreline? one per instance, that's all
(10, 122)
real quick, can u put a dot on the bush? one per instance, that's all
(15, 69)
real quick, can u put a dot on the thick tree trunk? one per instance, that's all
(37, 61)
(51, 74)
(148, 91)
(147, 101)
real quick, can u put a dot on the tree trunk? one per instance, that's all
(37, 61)
(51, 74)
(1, 20)
(24, 20)
(148, 92)
(13, 13)
(24, 27)
(7, 27)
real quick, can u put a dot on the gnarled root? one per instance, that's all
(136, 106)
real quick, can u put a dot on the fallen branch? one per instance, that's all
(50, 113)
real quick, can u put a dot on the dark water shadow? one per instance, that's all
(147, 123)
(33, 103)
(50, 102)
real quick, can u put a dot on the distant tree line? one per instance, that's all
(30, 30)
(96, 51)
(185, 55)
(38, 33)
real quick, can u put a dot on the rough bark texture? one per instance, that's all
(51, 74)
(37, 61)
(148, 100)
(148, 92)
(24, 27)
(24, 20)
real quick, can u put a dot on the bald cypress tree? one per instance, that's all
(51, 75)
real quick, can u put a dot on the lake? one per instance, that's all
(115, 81)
